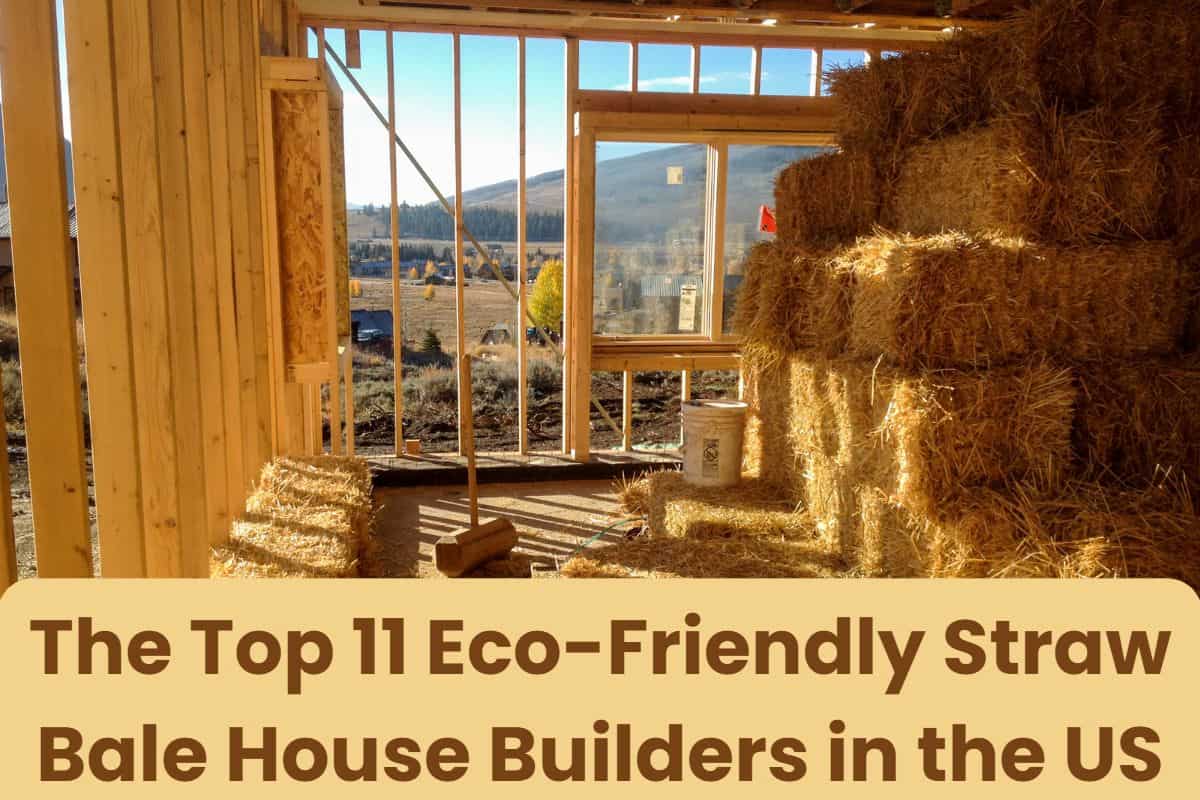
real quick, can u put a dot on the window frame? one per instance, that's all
(592, 128)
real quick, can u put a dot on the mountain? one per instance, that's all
(634, 199)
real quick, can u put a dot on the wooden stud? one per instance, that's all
(817, 89)
(756, 71)
(633, 67)
(150, 314)
(685, 385)
(460, 350)
(353, 49)
(214, 44)
(45, 287)
(571, 74)
(348, 388)
(178, 240)
(109, 346)
(267, 371)
(8, 540)
(522, 279)
(257, 413)
(204, 270)
(325, 148)
(627, 410)
(718, 164)
(695, 69)
(585, 164)
(397, 297)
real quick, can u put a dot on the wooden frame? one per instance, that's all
(394, 217)
(710, 348)
(45, 288)
(522, 259)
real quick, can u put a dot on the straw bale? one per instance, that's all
(925, 439)
(1078, 178)
(308, 517)
(891, 103)
(955, 300)
(676, 508)
(793, 299)
(1139, 420)
(767, 453)
(827, 199)
(1181, 203)
(739, 557)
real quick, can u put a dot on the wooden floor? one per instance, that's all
(552, 517)
(445, 469)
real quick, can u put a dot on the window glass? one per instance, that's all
(749, 185)
(840, 59)
(604, 65)
(726, 70)
(788, 72)
(664, 68)
(649, 246)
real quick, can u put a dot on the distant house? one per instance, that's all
(364, 320)
(8, 297)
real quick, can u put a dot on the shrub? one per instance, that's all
(14, 407)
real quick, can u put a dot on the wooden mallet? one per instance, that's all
(461, 551)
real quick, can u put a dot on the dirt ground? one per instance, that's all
(553, 519)
(18, 470)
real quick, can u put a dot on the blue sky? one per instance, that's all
(424, 107)
(424, 104)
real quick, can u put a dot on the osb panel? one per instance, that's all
(298, 199)
(341, 251)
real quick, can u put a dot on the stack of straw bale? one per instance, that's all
(979, 364)
(307, 518)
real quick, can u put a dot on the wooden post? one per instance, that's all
(460, 350)
(178, 241)
(100, 207)
(397, 304)
(571, 73)
(695, 69)
(627, 411)
(354, 49)
(818, 84)
(685, 385)
(717, 179)
(522, 280)
(214, 45)
(756, 71)
(581, 392)
(348, 372)
(8, 541)
(45, 287)
(633, 67)
(204, 270)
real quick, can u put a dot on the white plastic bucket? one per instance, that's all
(712, 442)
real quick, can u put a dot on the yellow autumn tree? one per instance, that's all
(430, 269)
(412, 274)
(430, 291)
(546, 301)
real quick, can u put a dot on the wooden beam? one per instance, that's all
(236, 484)
(718, 167)
(585, 214)
(756, 71)
(633, 67)
(112, 405)
(397, 305)
(685, 385)
(695, 68)
(204, 269)
(522, 279)
(353, 49)
(8, 539)
(348, 373)
(571, 79)
(149, 309)
(43, 274)
(627, 410)
(179, 240)
(460, 273)
(793, 19)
